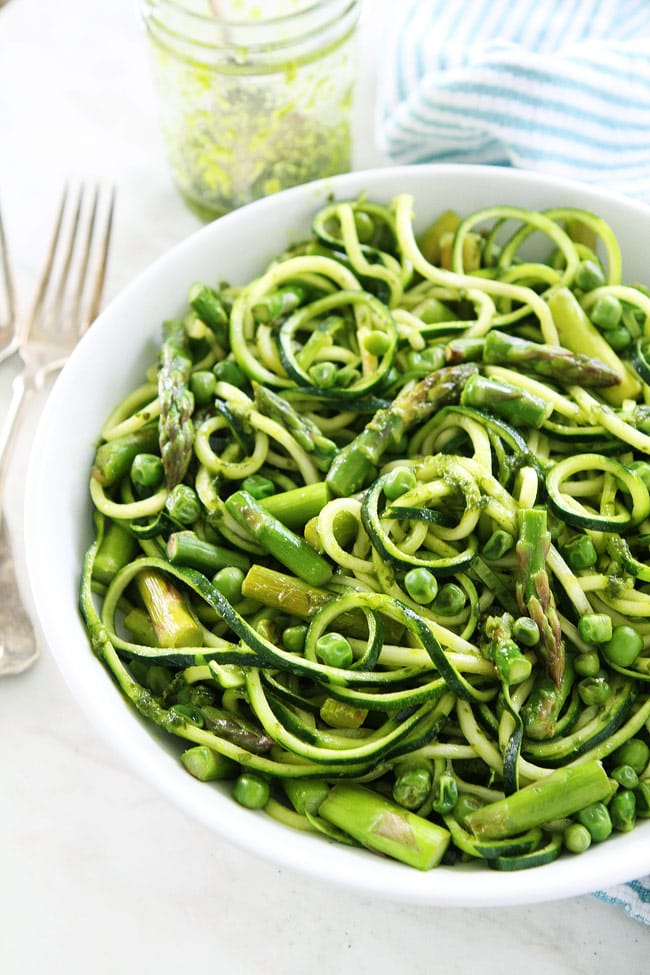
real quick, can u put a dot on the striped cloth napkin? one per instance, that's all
(559, 86)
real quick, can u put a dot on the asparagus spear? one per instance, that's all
(514, 404)
(533, 590)
(295, 507)
(559, 794)
(172, 621)
(283, 592)
(355, 463)
(553, 361)
(578, 333)
(206, 765)
(381, 825)
(118, 547)
(113, 459)
(464, 350)
(176, 402)
(304, 430)
(235, 728)
(503, 651)
(286, 546)
(186, 548)
(294, 597)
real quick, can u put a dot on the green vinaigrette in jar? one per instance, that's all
(254, 97)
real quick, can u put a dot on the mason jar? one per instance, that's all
(255, 95)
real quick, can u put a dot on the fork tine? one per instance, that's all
(75, 313)
(100, 273)
(57, 306)
(41, 288)
(62, 305)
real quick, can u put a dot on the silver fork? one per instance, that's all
(67, 301)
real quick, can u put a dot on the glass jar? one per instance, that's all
(255, 95)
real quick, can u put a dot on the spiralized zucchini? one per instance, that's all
(373, 535)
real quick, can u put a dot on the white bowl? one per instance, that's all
(109, 362)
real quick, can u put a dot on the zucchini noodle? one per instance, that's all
(373, 535)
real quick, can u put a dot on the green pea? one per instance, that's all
(580, 552)
(421, 585)
(622, 810)
(597, 820)
(183, 504)
(376, 343)
(594, 690)
(147, 470)
(642, 794)
(334, 650)
(450, 600)
(577, 838)
(587, 664)
(412, 787)
(398, 482)
(293, 638)
(595, 628)
(633, 752)
(606, 312)
(203, 384)
(445, 796)
(227, 371)
(498, 544)
(258, 486)
(624, 647)
(589, 275)
(229, 581)
(251, 790)
(619, 338)
(526, 631)
(626, 776)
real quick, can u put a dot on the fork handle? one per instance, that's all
(20, 390)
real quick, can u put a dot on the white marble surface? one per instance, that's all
(97, 872)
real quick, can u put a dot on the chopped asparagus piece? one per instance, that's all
(381, 825)
(176, 429)
(553, 361)
(534, 593)
(561, 793)
(355, 463)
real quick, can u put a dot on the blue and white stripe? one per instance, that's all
(634, 897)
(561, 86)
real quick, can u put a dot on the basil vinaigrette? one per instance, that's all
(253, 98)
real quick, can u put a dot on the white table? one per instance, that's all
(97, 872)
